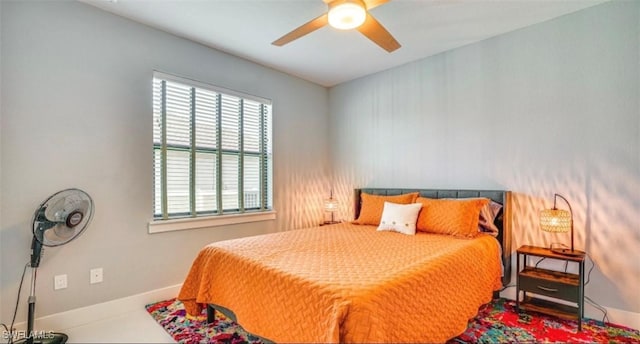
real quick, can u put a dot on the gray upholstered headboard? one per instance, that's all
(503, 220)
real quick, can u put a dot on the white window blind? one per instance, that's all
(211, 150)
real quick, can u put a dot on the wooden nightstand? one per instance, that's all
(555, 284)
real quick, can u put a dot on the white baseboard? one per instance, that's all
(85, 315)
(615, 315)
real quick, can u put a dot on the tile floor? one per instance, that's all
(133, 327)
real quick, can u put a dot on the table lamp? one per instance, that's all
(559, 221)
(331, 206)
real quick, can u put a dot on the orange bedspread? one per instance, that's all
(347, 283)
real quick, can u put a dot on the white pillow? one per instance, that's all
(400, 217)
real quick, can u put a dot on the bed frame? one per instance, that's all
(502, 221)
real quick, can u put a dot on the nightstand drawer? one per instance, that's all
(548, 288)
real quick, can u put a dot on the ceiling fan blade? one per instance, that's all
(378, 34)
(302, 30)
(374, 3)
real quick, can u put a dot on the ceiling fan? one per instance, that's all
(347, 15)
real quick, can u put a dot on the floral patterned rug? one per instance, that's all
(496, 322)
(184, 328)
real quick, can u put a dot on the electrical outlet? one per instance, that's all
(95, 276)
(59, 282)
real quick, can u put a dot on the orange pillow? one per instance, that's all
(450, 216)
(371, 206)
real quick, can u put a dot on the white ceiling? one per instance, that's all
(246, 28)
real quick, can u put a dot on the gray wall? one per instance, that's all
(552, 108)
(76, 112)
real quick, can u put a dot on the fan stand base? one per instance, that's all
(47, 338)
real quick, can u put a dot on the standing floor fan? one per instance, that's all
(59, 219)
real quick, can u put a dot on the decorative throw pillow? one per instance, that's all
(400, 217)
(448, 216)
(371, 206)
(488, 215)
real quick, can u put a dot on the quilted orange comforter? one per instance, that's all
(347, 283)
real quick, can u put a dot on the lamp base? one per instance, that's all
(567, 252)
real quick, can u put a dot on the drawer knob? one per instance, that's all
(547, 289)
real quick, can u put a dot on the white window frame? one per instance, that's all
(194, 220)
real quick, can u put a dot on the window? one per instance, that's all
(211, 150)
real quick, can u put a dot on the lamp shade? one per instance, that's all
(555, 220)
(330, 205)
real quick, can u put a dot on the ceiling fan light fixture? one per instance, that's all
(346, 15)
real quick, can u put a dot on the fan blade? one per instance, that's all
(378, 34)
(374, 3)
(53, 211)
(302, 30)
(60, 233)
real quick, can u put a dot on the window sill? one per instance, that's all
(161, 226)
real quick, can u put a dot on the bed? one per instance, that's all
(351, 283)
